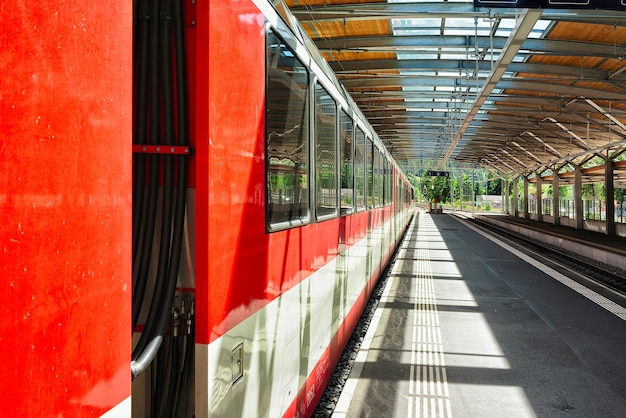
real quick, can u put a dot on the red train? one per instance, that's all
(194, 173)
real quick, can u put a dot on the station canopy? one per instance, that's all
(512, 91)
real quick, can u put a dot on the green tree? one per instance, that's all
(494, 187)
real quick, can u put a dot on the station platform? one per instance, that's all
(469, 327)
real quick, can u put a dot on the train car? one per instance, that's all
(195, 211)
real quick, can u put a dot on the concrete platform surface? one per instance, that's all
(467, 328)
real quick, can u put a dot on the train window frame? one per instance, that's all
(388, 182)
(376, 177)
(302, 173)
(347, 199)
(385, 178)
(325, 204)
(381, 178)
(369, 173)
(360, 163)
(399, 194)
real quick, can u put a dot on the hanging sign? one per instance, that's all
(438, 173)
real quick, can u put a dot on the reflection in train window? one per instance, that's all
(376, 178)
(325, 153)
(359, 169)
(381, 179)
(287, 149)
(346, 153)
(388, 181)
(369, 162)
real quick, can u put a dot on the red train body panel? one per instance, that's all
(65, 133)
(230, 179)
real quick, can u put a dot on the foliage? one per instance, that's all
(494, 187)
(463, 183)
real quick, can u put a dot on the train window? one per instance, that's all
(385, 180)
(387, 191)
(325, 153)
(376, 178)
(359, 168)
(400, 197)
(287, 149)
(347, 169)
(381, 179)
(391, 173)
(369, 172)
(388, 181)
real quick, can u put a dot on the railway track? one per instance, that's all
(588, 270)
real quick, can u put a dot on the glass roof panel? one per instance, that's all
(448, 73)
(416, 26)
(467, 26)
(418, 88)
(539, 29)
(415, 56)
(418, 72)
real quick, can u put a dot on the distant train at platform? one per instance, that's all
(195, 211)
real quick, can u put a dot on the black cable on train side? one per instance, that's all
(153, 323)
(180, 207)
(183, 164)
(160, 368)
(187, 343)
(165, 287)
(180, 373)
(151, 204)
(181, 195)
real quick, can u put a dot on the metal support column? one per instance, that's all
(473, 190)
(609, 199)
(539, 201)
(556, 210)
(578, 197)
(515, 198)
(526, 214)
(505, 199)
